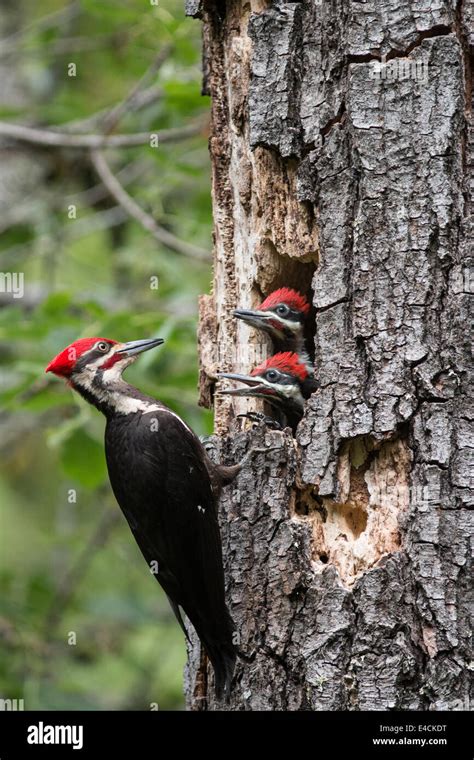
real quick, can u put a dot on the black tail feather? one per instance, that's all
(223, 657)
(217, 637)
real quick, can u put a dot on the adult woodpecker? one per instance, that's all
(283, 380)
(166, 486)
(282, 315)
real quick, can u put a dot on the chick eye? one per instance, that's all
(104, 347)
(283, 309)
(272, 375)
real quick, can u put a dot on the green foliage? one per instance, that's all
(89, 276)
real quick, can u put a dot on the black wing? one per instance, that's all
(158, 473)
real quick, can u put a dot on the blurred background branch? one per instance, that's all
(133, 100)
(90, 266)
(117, 191)
(54, 138)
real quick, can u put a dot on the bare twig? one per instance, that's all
(102, 220)
(143, 99)
(58, 139)
(113, 117)
(142, 217)
(59, 47)
(129, 173)
(32, 208)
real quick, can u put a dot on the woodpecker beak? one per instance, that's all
(247, 379)
(139, 346)
(253, 316)
(256, 385)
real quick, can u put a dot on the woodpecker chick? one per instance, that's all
(283, 380)
(166, 486)
(282, 316)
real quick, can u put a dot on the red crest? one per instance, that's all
(292, 298)
(286, 362)
(63, 363)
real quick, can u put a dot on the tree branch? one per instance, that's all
(62, 46)
(143, 99)
(114, 116)
(132, 171)
(132, 208)
(57, 139)
(27, 212)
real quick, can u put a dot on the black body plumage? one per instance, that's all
(167, 488)
(158, 470)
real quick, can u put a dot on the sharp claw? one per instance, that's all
(258, 417)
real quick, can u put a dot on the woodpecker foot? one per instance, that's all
(258, 417)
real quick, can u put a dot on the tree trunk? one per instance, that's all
(341, 158)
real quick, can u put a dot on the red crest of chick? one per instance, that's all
(290, 297)
(287, 362)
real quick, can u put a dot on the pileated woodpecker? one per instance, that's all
(283, 380)
(166, 486)
(282, 315)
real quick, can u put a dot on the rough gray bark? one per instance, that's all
(347, 551)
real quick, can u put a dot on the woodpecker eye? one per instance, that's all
(102, 346)
(272, 375)
(283, 310)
